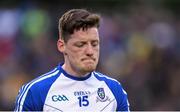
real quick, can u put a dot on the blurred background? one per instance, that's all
(140, 46)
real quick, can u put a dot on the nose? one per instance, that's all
(89, 50)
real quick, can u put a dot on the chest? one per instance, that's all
(79, 96)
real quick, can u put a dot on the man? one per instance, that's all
(75, 85)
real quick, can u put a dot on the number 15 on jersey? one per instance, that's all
(83, 101)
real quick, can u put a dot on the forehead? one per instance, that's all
(89, 34)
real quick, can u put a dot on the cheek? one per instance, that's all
(75, 53)
(97, 51)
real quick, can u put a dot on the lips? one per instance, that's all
(88, 59)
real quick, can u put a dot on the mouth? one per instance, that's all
(89, 59)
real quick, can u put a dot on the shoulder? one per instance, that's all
(112, 83)
(117, 90)
(107, 79)
(43, 80)
(32, 95)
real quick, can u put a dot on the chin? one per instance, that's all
(89, 68)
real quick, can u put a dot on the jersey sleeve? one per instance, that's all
(120, 95)
(121, 98)
(32, 95)
(28, 100)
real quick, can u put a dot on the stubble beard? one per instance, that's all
(89, 68)
(84, 69)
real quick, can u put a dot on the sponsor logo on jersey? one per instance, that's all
(57, 98)
(81, 93)
(101, 95)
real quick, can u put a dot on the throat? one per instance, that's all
(74, 73)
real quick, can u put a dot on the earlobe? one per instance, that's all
(60, 45)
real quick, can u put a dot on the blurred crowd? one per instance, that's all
(140, 47)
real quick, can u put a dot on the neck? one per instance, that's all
(72, 72)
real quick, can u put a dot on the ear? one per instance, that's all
(61, 45)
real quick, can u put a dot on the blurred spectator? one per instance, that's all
(9, 26)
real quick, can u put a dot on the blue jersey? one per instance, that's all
(59, 91)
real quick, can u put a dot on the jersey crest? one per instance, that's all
(101, 95)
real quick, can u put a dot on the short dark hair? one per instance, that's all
(75, 19)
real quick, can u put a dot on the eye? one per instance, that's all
(79, 44)
(95, 43)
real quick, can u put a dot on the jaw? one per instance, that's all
(88, 66)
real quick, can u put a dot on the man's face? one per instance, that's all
(82, 50)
